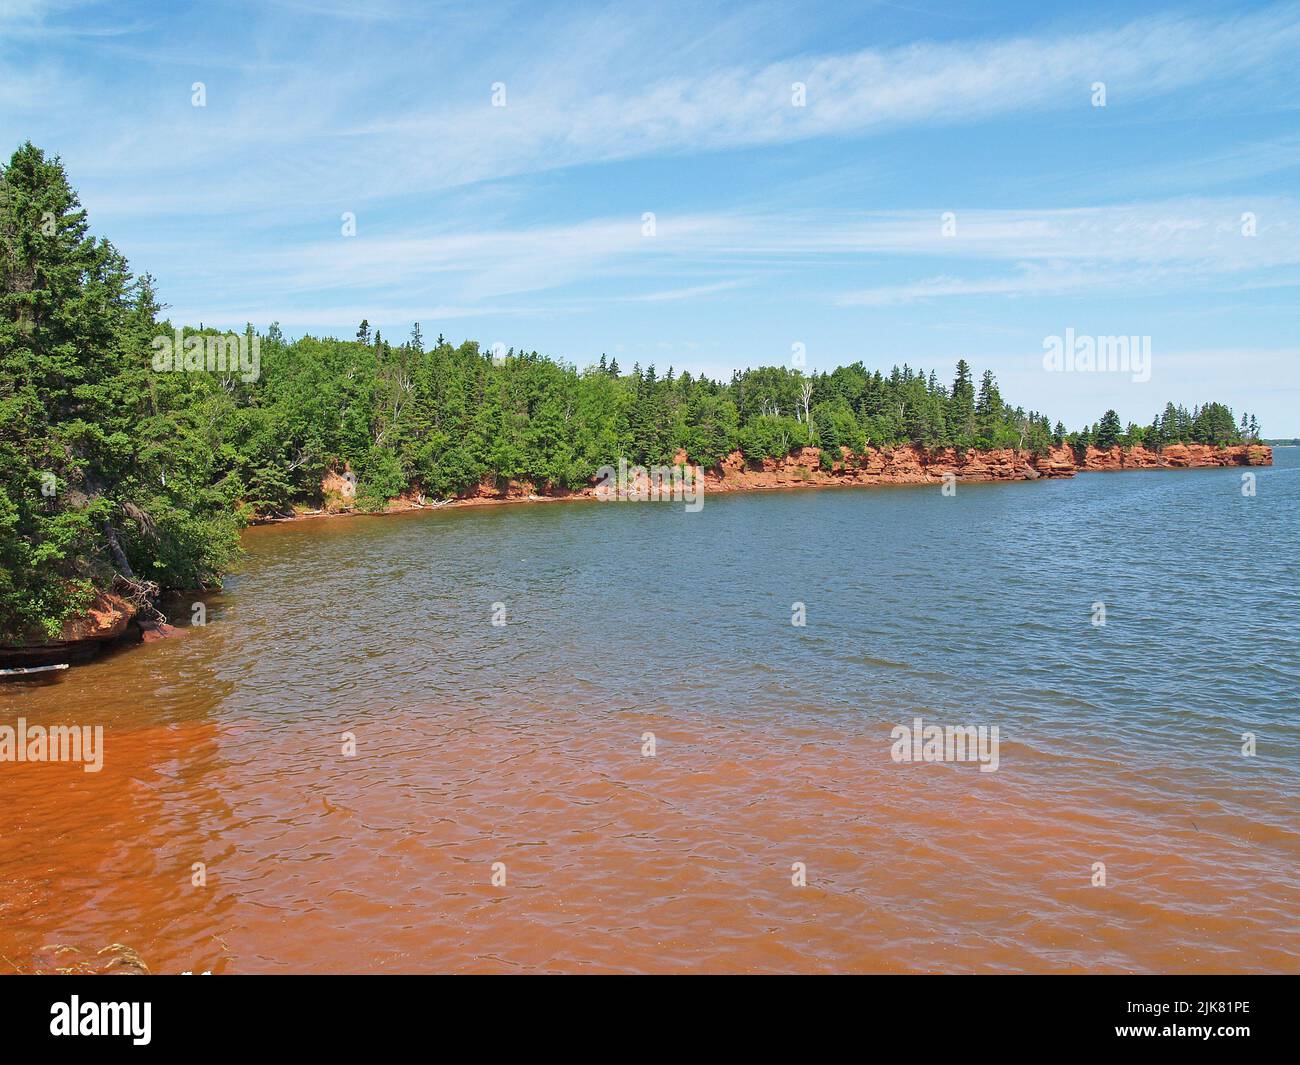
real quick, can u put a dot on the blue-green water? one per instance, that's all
(979, 602)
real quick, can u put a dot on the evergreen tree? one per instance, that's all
(961, 406)
(104, 479)
(1169, 425)
(1108, 431)
(988, 410)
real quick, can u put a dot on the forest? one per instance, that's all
(117, 474)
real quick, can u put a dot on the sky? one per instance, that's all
(706, 186)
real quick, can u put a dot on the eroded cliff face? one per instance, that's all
(901, 465)
(520, 492)
(897, 465)
(106, 620)
(911, 465)
(1178, 456)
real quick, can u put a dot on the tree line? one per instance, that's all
(113, 474)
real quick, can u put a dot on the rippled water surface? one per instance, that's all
(522, 744)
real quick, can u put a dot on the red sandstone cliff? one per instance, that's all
(1178, 456)
(911, 465)
(905, 464)
(896, 465)
(106, 620)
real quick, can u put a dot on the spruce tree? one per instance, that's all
(1109, 431)
(961, 406)
(988, 409)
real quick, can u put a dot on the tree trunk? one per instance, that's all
(119, 556)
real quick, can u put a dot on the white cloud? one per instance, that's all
(284, 130)
(1177, 244)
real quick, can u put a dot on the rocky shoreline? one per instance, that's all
(112, 618)
(109, 619)
(908, 465)
(903, 465)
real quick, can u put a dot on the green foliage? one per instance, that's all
(107, 470)
(1109, 430)
(772, 436)
(1211, 424)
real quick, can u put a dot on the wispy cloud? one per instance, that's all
(1185, 245)
(612, 104)
(1178, 245)
(690, 293)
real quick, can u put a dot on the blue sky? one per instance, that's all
(775, 225)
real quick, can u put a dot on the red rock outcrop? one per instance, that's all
(105, 620)
(1058, 462)
(1177, 457)
(159, 630)
(907, 464)
(338, 491)
(904, 464)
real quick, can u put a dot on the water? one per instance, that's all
(522, 744)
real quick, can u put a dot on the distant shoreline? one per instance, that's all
(901, 466)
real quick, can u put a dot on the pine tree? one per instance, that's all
(1170, 424)
(961, 406)
(1109, 431)
(988, 408)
